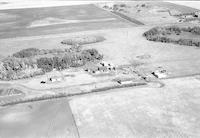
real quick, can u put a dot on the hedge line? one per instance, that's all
(44, 97)
(118, 86)
(128, 18)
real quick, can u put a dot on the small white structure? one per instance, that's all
(160, 74)
(123, 81)
(55, 79)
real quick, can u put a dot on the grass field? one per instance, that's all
(38, 119)
(171, 111)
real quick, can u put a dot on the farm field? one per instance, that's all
(38, 119)
(170, 111)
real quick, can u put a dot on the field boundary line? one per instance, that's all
(74, 121)
(117, 16)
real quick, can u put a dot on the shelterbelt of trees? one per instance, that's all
(173, 34)
(31, 62)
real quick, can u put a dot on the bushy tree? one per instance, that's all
(91, 54)
(45, 63)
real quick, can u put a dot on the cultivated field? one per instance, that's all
(55, 20)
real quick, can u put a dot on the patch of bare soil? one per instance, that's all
(55, 21)
(144, 56)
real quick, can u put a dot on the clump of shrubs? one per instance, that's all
(161, 34)
(82, 40)
(30, 52)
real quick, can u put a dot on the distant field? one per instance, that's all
(54, 20)
(149, 12)
(181, 8)
(43, 119)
